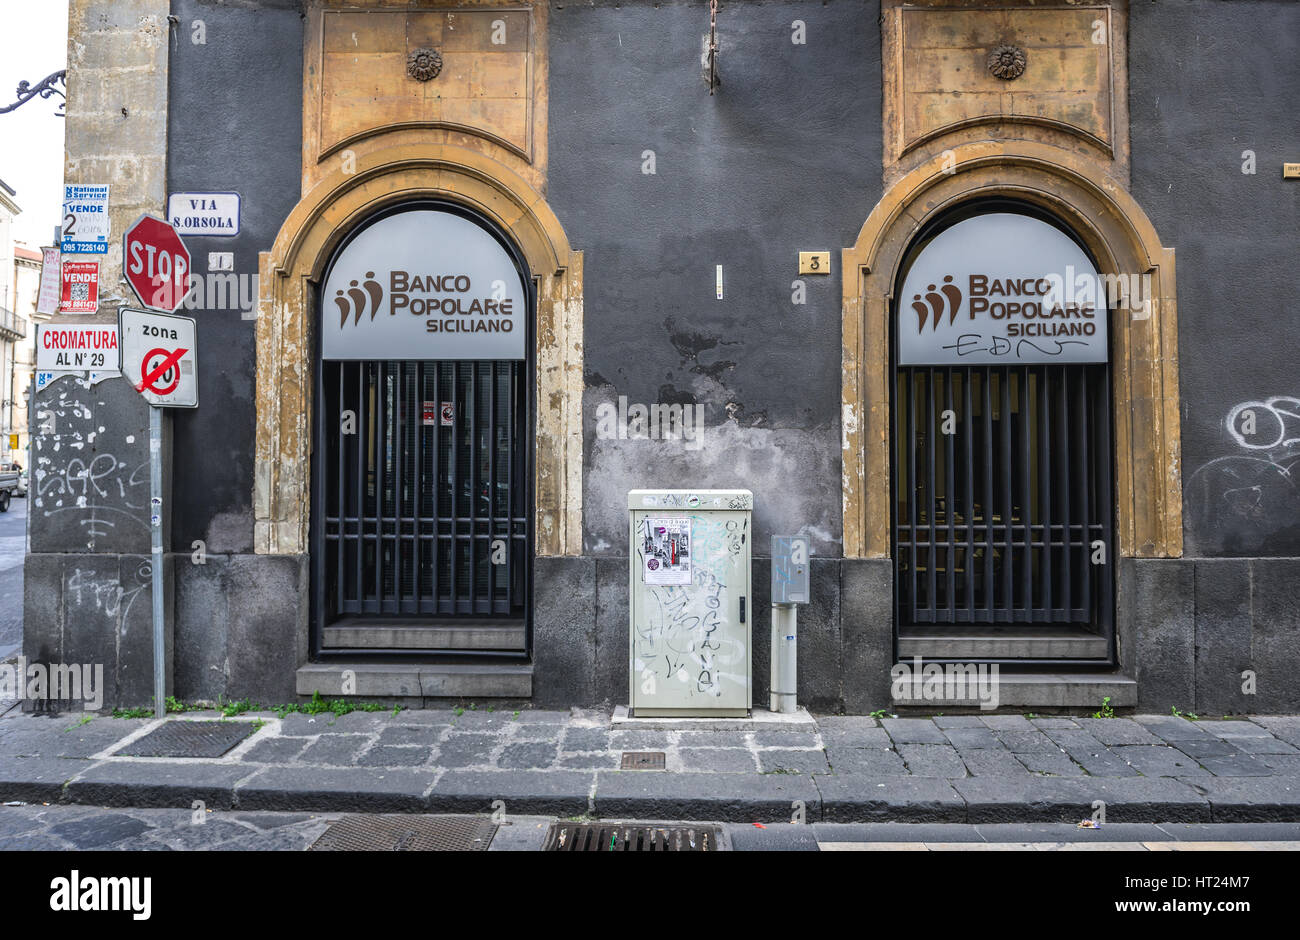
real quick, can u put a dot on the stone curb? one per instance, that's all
(610, 794)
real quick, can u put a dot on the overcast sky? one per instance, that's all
(33, 43)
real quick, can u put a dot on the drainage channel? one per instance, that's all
(626, 837)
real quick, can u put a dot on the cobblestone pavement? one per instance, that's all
(973, 768)
(947, 747)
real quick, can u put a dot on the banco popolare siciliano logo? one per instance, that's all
(358, 297)
(936, 299)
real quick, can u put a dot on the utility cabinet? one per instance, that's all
(690, 606)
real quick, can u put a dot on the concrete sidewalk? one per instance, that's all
(966, 769)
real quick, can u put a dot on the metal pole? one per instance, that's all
(784, 646)
(155, 531)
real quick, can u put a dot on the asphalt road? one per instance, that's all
(13, 540)
(73, 828)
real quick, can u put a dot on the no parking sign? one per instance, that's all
(159, 357)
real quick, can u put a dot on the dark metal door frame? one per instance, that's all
(976, 519)
(526, 421)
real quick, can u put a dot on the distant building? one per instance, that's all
(21, 370)
(19, 283)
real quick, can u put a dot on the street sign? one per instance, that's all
(156, 263)
(159, 357)
(85, 220)
(61, 348)
(80, 287)
(211, 214)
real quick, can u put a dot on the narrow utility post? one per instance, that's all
(790, 587)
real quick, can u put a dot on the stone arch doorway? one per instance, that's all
(1144, 381)
(421, 523)
(1001, 444)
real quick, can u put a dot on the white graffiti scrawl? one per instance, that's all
(1248, 500)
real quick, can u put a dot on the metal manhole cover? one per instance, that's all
(608, 837)
(189, 739)
(643, 760)
(407, 834)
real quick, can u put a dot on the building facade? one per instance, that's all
(20, 275)
(373, 499)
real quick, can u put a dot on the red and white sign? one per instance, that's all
(156, 263)
(159, 357)
(448, 414)
(429, 414)
(48, 299)
(62, 348)
(80, 287)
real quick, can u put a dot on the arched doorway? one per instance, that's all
(1001, 443)
(421, 533)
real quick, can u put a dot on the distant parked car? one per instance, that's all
(10, 480)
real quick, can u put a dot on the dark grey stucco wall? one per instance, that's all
(1208, 81)
(785, 156)
(235, 125)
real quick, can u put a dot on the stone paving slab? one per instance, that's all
(560, 793)
(37, 779)
(336, 789)
(157, 782)
(1249, 799)
(640, 794)
(1057, 799)
(852, 798)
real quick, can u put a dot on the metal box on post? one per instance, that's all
(690, 605)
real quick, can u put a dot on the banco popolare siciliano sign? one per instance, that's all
(424, 284)
(1002, 289)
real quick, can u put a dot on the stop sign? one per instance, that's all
(156, 263)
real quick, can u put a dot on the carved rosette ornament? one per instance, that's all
(1007, 62)
(423, 64)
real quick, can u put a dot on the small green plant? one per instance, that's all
(515, 716)
(258, 724)
(458, 711)
(878, 713)
(143, 711)
(231, 709)
(1106, 710)
(319, 706)
(175, 705)
(397, 710)
(1173, 710)
(83, 720)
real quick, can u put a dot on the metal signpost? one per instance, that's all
(160, 360)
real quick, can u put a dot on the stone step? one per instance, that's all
(1019, 691)
(418, 680)
(1011, 643)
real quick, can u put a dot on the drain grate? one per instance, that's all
(407, 834)
(643, 760)
(189, 739)
(596, 837)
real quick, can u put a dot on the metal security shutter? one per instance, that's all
(1002, 493)
(422, 497)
